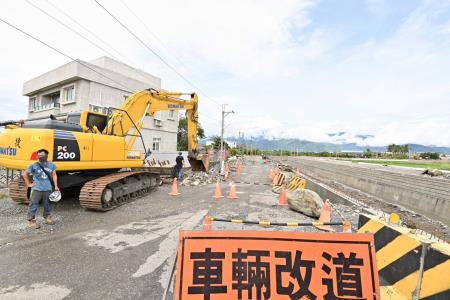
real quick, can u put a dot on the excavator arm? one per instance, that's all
(129, 118)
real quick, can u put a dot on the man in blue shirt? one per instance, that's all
(43, 184)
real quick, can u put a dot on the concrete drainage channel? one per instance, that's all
(410, 265)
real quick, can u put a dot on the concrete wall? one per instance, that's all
(428, 196)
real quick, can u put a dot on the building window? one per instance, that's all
(156, 144)
(69, 94)
(33, 103)
(98, 109)
(172, 114)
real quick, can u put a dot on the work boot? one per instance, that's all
(48, 220)
(33, 225)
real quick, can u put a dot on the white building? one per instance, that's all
(96, 86)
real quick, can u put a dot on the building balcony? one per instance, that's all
(43, 107)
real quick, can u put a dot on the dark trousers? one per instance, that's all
(179, 172)
(36, 197)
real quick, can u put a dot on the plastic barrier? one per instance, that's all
(410, 265)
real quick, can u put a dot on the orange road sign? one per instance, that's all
(276, 265)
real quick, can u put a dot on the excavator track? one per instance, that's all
(110, 191)
(18, 191)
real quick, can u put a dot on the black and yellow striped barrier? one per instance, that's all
(410, 266)
(281, 178)
(269, 223)
(295, 183)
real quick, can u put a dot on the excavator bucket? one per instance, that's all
(200, 162)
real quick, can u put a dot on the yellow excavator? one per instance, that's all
(94, 152)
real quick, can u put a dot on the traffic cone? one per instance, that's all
(347, 227)
(282, 200)
(225, 177)
(207, 223)
(226, 168)
(239, 168)
(271, 174)
(174, 190)
(218, 191)
(275, 181)
(232, 194)
(325, 216)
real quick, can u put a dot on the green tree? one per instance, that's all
(182, 144)
(430, 155)
(393, 148)
(368, 153)
(216, 143)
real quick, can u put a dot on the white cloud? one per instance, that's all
(282, 72)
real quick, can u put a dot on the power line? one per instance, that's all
(155, 53)
(127, 89)
(71, 29)
(92, 33)
(152, 33)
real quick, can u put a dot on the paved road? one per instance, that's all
(126, 253)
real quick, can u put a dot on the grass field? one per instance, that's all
(407, 163)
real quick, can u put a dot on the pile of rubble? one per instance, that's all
(191, 178)
(436, 172)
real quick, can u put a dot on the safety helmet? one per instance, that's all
(55, 196)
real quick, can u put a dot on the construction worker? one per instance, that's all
(43, 184)
(179, 166)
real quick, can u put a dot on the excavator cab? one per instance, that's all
(90, 121)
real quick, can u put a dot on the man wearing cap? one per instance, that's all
(44, 182)
(179, 166)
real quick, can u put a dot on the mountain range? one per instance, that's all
(309, 146)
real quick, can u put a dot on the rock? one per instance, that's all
(196, 182)
(306, 202)
(436, 172)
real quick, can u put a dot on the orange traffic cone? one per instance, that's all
(271, 174)
(232, 194)
(282, 200)
(347, 227)
(218, 191)
(226, 168)
(275, 181)
(325, 216)
(207, 223)
(239, 168)
(174, 190)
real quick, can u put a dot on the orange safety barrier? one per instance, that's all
(218, 191)
(207, 223)
(174, 190)
(282, 200)
(325, 216)
(232, 194)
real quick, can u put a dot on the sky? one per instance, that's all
(288, 69)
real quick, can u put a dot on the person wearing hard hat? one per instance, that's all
(44, 187)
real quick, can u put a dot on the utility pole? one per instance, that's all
(224, 114)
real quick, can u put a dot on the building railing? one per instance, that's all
(45, 107)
